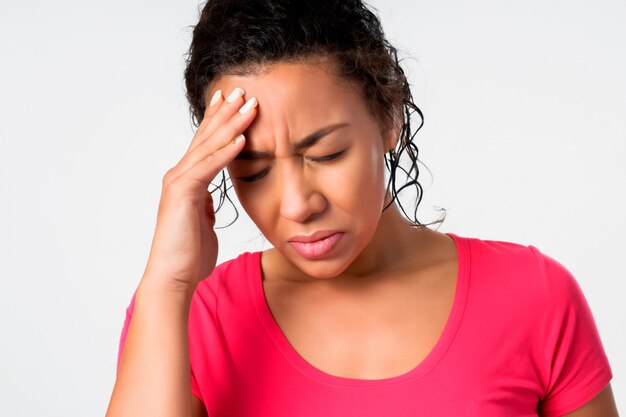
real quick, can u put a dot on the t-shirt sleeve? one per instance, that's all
(195, 389)
(575, 367)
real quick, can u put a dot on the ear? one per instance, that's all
(391, 135)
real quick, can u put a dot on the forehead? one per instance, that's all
(296, 99)
(309, 79)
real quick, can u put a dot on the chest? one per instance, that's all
(364, 333)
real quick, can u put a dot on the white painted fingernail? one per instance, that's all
(239, 138)
(215, 98)
(235, 94)
(250, 104)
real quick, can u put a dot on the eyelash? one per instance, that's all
(264, 172)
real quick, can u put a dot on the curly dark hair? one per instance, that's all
(240, 37)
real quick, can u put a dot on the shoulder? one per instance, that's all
(520, 276)
(494, 249)
(507, 254)
(229, 275)
(523, 261)
(500, 258)
(526, 273)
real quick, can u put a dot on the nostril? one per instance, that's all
(301, 208)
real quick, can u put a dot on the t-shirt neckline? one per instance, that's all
(423, 368)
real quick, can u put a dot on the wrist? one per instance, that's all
(154, 285)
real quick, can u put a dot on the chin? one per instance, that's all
(321, 269)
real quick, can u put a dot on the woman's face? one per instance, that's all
(312, 162)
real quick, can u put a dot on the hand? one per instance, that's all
(184, 249)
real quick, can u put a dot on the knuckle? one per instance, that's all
(209, 161)
(167, 177)
(231, 130)
(212, 163)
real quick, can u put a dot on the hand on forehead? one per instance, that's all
(295, 101)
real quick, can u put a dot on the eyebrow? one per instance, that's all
(299, 146)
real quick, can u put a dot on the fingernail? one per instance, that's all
(239, 139)
(215, 98)
(250, 104)
(235, 94)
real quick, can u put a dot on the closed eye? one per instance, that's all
(264, 172)
(327, 158)
(256, 176)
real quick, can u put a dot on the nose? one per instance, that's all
(301, 201)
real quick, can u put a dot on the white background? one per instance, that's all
(525, 105)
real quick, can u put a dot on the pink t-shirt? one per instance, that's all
(520, 340)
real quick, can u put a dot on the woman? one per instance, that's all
(356, 310)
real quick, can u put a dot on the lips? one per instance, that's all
(317, 245)
(319, 235)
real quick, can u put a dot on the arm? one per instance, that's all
(603, 405)
(153, 376)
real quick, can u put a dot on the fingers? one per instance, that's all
(230, 120)
(214, 105)
(213, 146)
(206, 169)
(218, 114)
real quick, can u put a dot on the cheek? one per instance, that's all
(249, 197)
(370, 171)
(355, 184)
(255, 201)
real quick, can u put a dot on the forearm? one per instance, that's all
(153, 379)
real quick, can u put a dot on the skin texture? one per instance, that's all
(299, 196)
(374, 263)
(153, 376)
